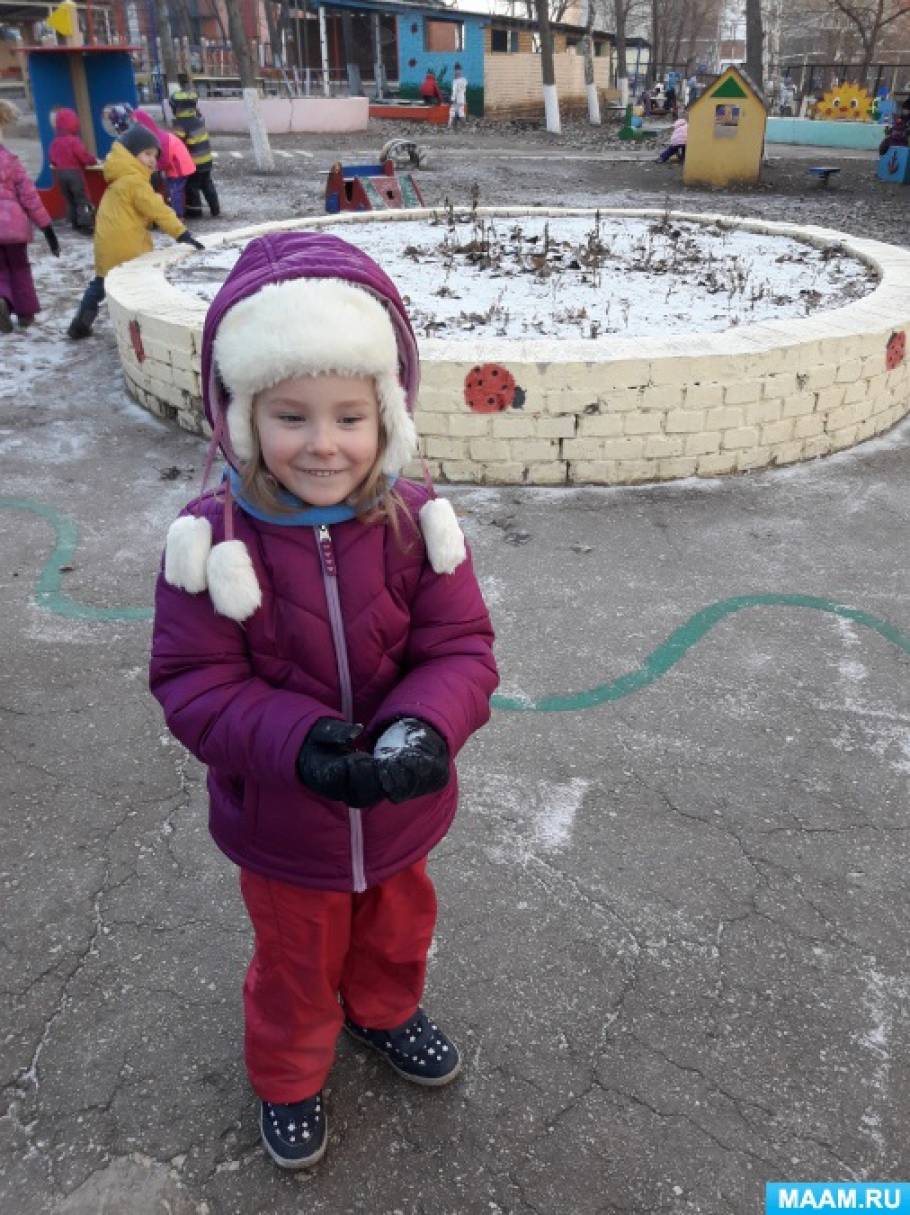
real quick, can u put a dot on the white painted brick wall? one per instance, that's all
(619, 411)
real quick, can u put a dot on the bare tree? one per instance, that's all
(590, 83)
(274, 31)
(240, 45)
(868, 18)
(168, 56)
(550, 98)
(556, 9)
(755, 41)
(621, 13)
(180, 14)
(215, 12)
(657, 40)
(259, 138)
(347, 37)
(277, 18)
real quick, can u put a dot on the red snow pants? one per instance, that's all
(313, 946)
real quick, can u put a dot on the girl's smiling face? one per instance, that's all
(319, 435)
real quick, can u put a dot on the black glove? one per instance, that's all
(412, 759)
(51, 237)
(187, 238)
(328, 765)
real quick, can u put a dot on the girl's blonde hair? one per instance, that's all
(373, 501)
(9, 113)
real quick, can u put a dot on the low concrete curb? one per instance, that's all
(608, 411)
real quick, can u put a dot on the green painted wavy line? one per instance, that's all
(49, 594)
(681, 640)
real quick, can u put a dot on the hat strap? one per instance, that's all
(214, 444)
(228, 510)
(427, 478)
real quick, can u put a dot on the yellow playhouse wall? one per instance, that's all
(720, 162)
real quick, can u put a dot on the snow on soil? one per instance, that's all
(584, 276)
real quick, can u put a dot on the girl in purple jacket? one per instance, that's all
(321, 644)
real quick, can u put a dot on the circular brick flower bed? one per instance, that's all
(607, 409)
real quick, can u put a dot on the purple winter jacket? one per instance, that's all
(243, 697)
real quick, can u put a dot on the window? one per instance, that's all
(443, 35)
(503, 41)
(726, 121)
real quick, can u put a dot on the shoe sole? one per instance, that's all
(306, 1162)
(423, 1081)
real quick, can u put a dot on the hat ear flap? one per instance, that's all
(240, 425)
(400, 431)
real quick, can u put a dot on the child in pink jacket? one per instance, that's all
(20, 207)
(678, 140)
(175, 162)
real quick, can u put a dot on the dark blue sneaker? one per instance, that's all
(419, 1051)
(295, 1136)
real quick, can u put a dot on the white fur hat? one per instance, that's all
(311, 326)
(274, 319)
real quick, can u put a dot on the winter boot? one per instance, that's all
(26, 321)
(419, 1050)
(6, 321)
(295, 1136)
(81, 324)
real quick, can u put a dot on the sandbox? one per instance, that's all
(618, 392)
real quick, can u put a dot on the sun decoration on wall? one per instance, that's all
(846, 102)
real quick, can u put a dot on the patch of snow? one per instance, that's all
(883, 994)
(581, 276)
(532, 820)
(554, 815)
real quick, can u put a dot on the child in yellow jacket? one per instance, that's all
(128, 209)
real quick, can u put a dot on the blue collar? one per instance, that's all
(298, 513)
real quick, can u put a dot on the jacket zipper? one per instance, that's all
(330, 581)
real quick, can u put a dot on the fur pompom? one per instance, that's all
(233, 586)
(442, 535)
(189, 542)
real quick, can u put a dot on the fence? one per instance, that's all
(817, 78)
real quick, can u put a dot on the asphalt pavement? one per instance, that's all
(673, 908)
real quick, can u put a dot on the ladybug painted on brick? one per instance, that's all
(489, 388)
(896, 349)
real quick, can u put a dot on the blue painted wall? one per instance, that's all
(414, 59)
(109, 77)
(825, 134)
